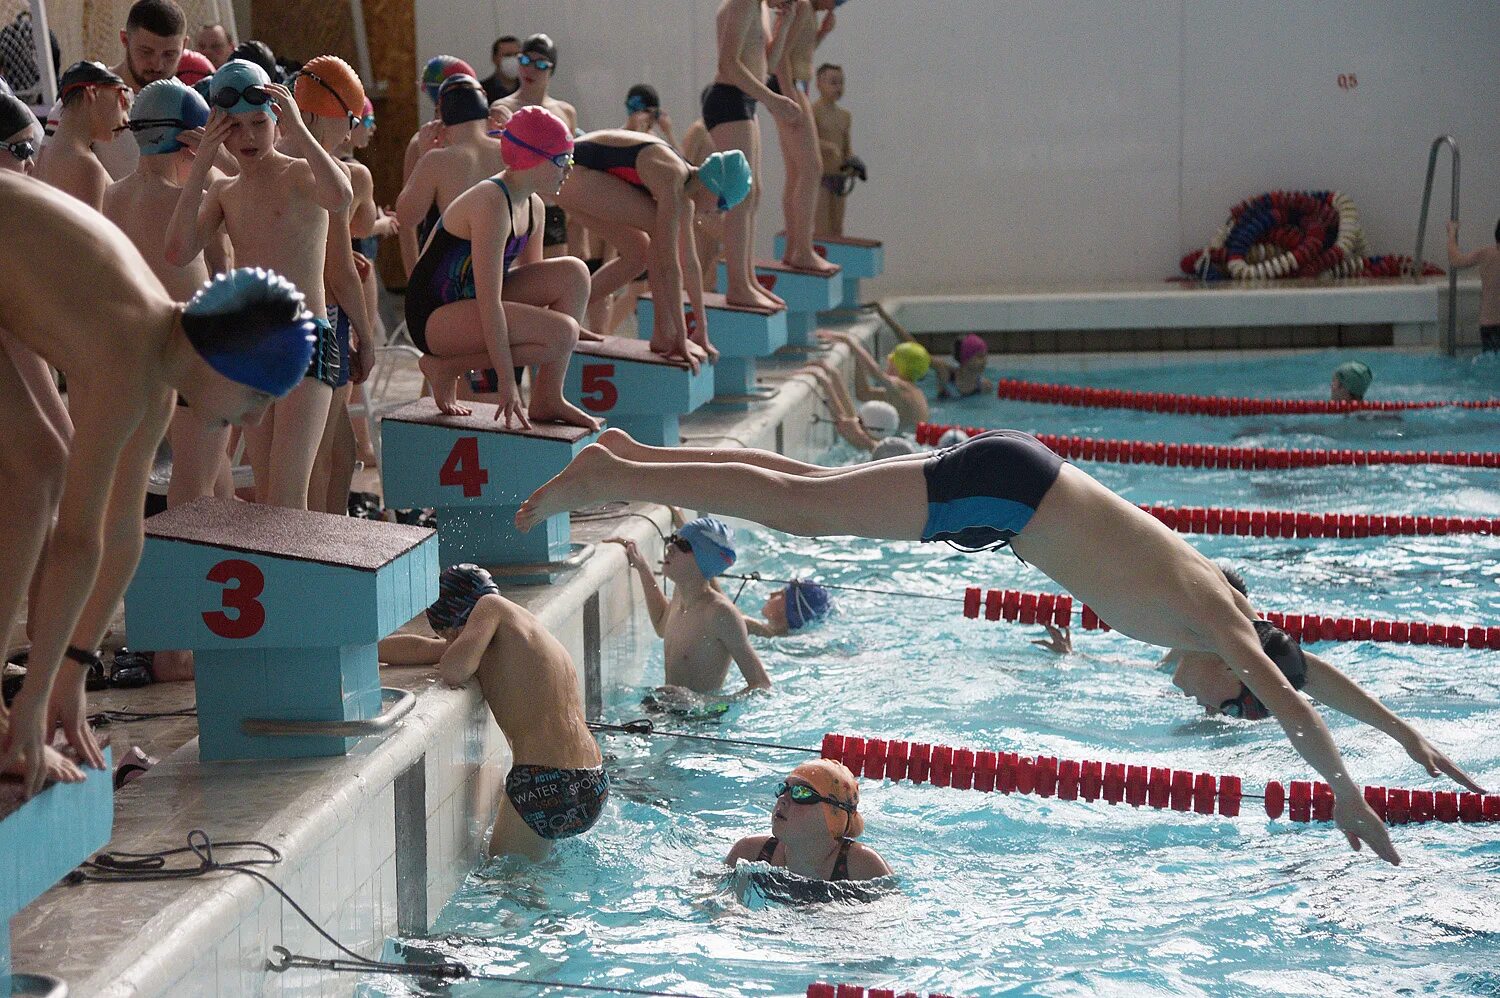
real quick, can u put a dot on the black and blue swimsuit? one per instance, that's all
(983, 492)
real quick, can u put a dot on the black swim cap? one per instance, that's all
(1235, 579)
(542, 45)
(462, 99)
(15, 116)
(459, 590)
(83, 74)
(642, 97)
(1287, 654)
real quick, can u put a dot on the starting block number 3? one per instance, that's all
(250, 613)
(599, 392)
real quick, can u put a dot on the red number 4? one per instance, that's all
(462, 468)
(599, 393)
(250, 613)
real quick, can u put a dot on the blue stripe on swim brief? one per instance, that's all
(956, 515)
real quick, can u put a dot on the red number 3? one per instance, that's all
(462, 468)
(250, 614)
(599, 393)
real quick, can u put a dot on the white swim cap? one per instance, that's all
(952, 438)
(880, 419)
(893, 447)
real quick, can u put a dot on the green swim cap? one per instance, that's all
(911, 360)
(726, 174)
(1355, 376)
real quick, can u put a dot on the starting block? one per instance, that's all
(805, 292)
(642, 393)
(476, 473)
(283, 610)
(43, 839)
(860, 258)
(741, 335)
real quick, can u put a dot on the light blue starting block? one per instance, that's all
(805, 292)
(42, 840)
(476, 473)
(860, 258)
(740, 334)
(641, 392)
(282, 610)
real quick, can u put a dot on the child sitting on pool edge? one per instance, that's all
(814, 828)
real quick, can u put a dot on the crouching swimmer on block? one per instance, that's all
(126, 347)
(556, 787)
(1000, 488)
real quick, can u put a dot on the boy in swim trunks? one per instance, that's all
(557, 786)
(126, 346)
(814, 828)
(791, 77)
(1487, 259)
(537, 62)
(1000, 488)
(276, 212)
(834, 127)
(701, 628)
(94, 104)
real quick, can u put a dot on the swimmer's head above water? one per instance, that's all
(1351, 380)
(460, 588)
(700, 550)
(818, 800)
(879, 419)
(796, 606)
(909, 361)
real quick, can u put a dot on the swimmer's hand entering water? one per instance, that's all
(1359, 823)
(1059, 640)
(1430, 758)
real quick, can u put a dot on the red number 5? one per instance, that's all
(462, 468)
(250, 614)
(599, 393)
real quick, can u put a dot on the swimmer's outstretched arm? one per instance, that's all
(656, 602)
(729, 628)
(1329, 686)
(462, 656)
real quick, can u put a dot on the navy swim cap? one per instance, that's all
(462, 99)
(251, 327)
(459, 590)
(806, 602)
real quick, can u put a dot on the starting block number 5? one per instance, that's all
(250, 613)
(599, 392)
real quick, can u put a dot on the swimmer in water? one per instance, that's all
(557, 786)
(907, 364)
(1350, 381)
(127, 348)
(457, 310)
(95, 103)
(796, 606)
(814, 828)
(963, 376)
(1000, 488)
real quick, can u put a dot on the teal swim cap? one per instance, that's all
(726, 174)
(239, 87)
(164, 110)
(251, 327)
(713, 544)
(1355, 376)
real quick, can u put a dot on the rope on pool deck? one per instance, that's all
(1174, 403)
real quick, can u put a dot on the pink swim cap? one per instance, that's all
(532, 136)
(969, 347)
(193, 66)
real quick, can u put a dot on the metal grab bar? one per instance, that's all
(1416, 258)
(402, 702)
(35, 986)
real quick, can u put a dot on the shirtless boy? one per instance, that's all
(276, 214)
(791, 77)
(125, 347)
(702, 629)
(94, 103)
(556, 787)
(1487, 259)
(432, 135)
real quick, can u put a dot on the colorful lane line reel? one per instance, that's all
(821, 990)
(1285, 523)
(1152, 786)
(1057, 609)
(1220, 456)
(1207, 405)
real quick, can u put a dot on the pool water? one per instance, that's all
(1022, 895)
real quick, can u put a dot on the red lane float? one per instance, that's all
(821, 990)
(1285, 523)
(1153, 786)
(1208, 405)
(1222, 456)
(1057, 609)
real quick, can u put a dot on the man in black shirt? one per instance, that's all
(502, 82)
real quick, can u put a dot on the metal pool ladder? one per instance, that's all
(1451, 340)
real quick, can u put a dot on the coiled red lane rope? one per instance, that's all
(1222, 456)
(1158, 787)
(1285, 523)
(1208, 405)
(821, 990)
(1057, 609)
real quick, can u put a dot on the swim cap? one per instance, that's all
(462, 99)
(833, 779)
(193, 66)
(952, 438)
(459, 589)
(1355, 376)
(713, 544)
(367, 114)
(438, 69)
(164, 110)
(542, 45)
(880, 419)
(642, 97)
(54, 115)
(805, 602)
(1235, 579)
(15, 116)
(251, 327)
(911, 360)
(260, 54)
(1288, 657)
(893, 447)
(235, 77)
(85, 74)
(969, 347)
(328, 87)
(726, 174)
(534, 134)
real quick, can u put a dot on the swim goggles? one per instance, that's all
(20, 150)
(681, 543)
(228, 97)
(562, 160)
(541, 64)
(801, 793)
(637, 104)
(353, 118)
(141, 124)
(1245, 706)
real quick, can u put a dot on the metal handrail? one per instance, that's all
(1416, 258)
(36, 986)
(579, 553)
(402, 702)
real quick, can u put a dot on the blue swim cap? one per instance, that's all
(805, 602)
(235, 76)
(713, 544)
(164, 110)
(251, 327)
(727, 174)
(459, 590)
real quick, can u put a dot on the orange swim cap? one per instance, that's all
(833, 779)
(328, 87)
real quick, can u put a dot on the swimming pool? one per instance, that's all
(1021, 895)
